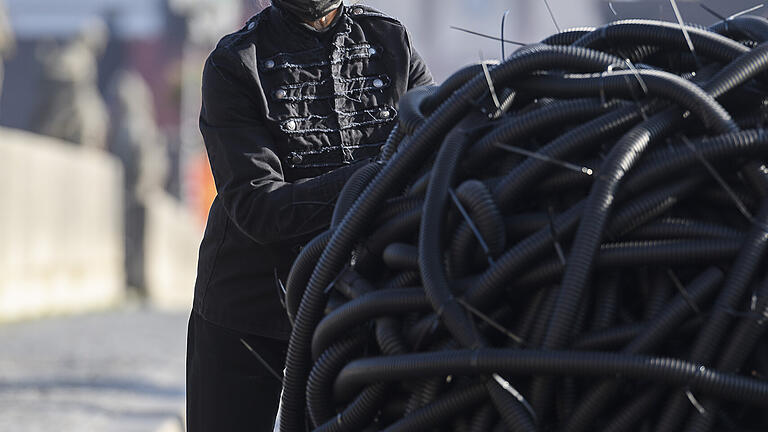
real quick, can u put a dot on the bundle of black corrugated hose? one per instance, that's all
(572, 240)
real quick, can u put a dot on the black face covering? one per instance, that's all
(308, 10)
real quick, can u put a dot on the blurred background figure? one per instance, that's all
(141, 147)
(7, 42)
(73, 109)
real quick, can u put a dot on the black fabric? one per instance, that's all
(228, 388)
(288, 115)
(308, 10)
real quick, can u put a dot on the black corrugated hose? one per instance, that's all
(585, 249)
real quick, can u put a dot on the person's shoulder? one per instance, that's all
(365, 12)
(233, 42)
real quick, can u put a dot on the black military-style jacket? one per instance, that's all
(288, 115)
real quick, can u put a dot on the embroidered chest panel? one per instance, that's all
(330, 104)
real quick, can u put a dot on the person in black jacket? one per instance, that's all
(293, 104)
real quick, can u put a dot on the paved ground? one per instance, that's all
(121, 371)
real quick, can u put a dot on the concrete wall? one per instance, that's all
(172, 238)
(61, 229)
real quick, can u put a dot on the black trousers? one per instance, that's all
(228, 387)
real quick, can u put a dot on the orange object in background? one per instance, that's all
(201, 188)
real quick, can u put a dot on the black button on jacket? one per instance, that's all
(288, 115)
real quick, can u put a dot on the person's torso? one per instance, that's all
(328, 99)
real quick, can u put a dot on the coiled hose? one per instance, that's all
(590, 254)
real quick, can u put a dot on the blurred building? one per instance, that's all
(73, 225)
(446, 50)
(136, 26)
(165, 41)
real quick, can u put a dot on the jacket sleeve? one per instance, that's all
(246, 166)
(418, 74)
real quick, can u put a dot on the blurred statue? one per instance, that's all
(138, 143)
(7, 41)
(136, 139)
(74, 109)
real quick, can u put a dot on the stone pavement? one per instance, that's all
(117, 371)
